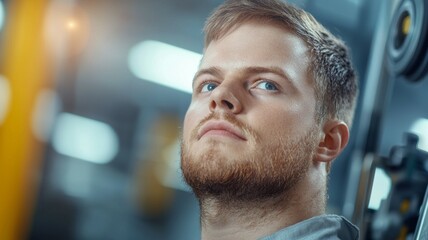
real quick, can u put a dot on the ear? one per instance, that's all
(335, 139)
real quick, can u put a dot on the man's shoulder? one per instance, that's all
(319, 227)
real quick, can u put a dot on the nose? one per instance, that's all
(225, 98)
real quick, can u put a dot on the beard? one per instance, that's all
(260, 172)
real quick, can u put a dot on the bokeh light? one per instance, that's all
(164, 64)
(85, 139)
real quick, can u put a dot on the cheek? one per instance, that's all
(191, 120)
(188, 125)
(289, 121)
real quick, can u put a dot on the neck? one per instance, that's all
(222, 219)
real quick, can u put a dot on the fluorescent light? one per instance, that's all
(420, 127)
(164, 64)
(380, 189)
(85, 139)
(1, 14)
(4, 97)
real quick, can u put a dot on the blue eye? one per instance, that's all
(208, 87)
(267, 86)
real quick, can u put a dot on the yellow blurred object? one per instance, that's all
(25, 66)
(405, 26)
(403, 233)
(404, 206)
(153, 196)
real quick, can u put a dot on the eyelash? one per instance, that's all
(269, 82)
(205, 83)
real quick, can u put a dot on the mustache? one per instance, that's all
(245, 128)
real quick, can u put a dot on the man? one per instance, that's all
(272, 104)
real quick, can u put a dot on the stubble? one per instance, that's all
(260, 172)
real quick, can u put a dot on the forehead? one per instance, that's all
(254, 44)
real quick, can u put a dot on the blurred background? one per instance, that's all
(93, 94)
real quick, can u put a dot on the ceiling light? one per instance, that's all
(85, 139)
(164, 64)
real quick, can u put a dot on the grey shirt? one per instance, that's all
(319, 227)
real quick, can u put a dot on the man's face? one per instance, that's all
(250, 129)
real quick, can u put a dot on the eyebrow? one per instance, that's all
(275, 70)
(218, 73)
(214, 71)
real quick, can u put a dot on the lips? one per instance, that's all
(222, 128)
